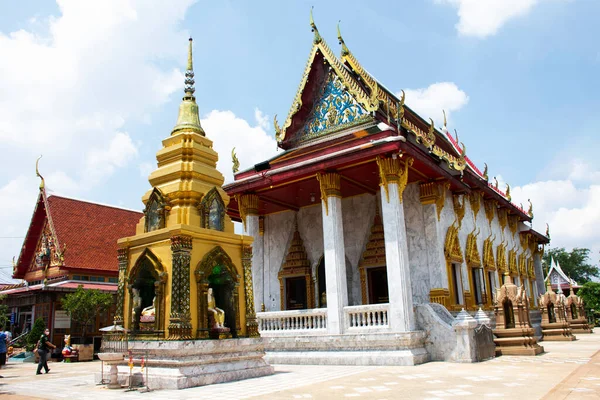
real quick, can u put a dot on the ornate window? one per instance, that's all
(155, 211)
(212, 210)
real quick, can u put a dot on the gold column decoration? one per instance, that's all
(391, 172)
(329, 184)
(247, 205)
(513, 223)
(490, 206)
(434, 193)
(459, 209)
(123, 258)
(503, 217)
(179, 321)
(251, 323)
(475, 200)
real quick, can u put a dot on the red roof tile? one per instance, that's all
(90, 231)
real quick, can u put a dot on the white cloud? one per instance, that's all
(482, 18)
(571, 206)
(261, 119)
(430, 101)
(252, 143)
(73, 82)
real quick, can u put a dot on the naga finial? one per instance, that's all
(495, 183)
(401, 108)
(278, 130)
(236, 163)
(345, 50)
(463, 151)
(445, 122)
(530, 211)
(508, 196)
(313, 27)
(37, 172)
(547, 230)
(456, 136)
(485, 172)
(431, 127)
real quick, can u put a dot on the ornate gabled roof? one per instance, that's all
(319, 55)
(557, 275)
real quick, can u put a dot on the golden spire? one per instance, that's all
(345, 50)
(37, 172)
(189, 118)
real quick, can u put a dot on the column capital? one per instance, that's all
(247, 205)
(390, 171)
(329, 183)
(434, 193)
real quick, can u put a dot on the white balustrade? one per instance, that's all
(292, 323)
(367, 318)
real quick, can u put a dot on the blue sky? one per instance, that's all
(95, 87)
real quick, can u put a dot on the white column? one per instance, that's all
(333, 246)
(248, 205)
(401, 313)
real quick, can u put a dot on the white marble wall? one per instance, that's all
(417, 244)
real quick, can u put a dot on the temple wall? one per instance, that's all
(417, 244)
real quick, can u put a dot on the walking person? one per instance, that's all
(3, 343)
(44, 346)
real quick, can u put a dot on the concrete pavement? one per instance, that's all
(568, 370)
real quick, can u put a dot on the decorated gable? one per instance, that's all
(334, 108)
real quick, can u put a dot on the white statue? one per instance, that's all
(150, 310)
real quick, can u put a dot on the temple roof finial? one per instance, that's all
(37, 172)
(313, 26)
(189, 118)
(345, 50)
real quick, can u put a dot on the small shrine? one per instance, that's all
(576, 315)
(186, 275)
(514, 333)
(555, 326)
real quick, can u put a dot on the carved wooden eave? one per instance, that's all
(452, 246)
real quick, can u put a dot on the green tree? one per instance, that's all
(35, 333)
(83, 305)
(3, 313)
(590, 293)
(574, 263)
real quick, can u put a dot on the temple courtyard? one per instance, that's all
(568, 370)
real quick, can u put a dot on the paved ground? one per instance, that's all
(568, 370)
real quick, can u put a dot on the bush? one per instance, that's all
(36, 332)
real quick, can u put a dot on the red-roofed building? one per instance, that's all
(69, 243)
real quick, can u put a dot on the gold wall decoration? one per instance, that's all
(502, 217)
(472, 252)
(440, 296)
(512, 262)
(390, 171)
(475, 199)
(530, 268)
(329, 184)
(501, 258)
(513, 223)
(522, 264)
(180, 326)
(452, 245)
(459, 208)
(490, 208)
(488, 254)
